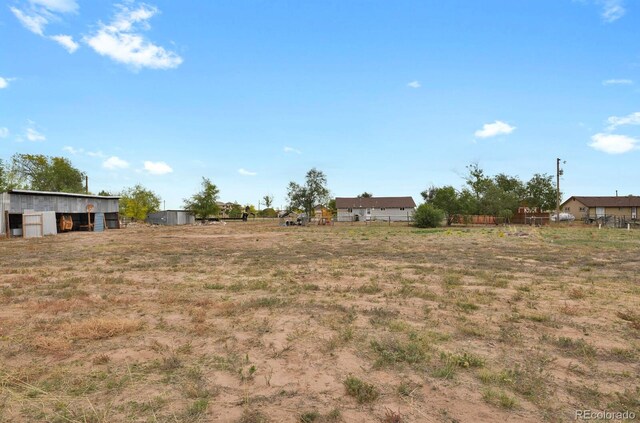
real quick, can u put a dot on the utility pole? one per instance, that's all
(558, 174)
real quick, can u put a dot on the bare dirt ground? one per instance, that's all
(254, 323)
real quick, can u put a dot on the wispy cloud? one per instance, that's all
(493, 129)
(35, 15)
(32, 21)
(615, 121)
(612, 10)
(66, 41)
(122, 41)
(292, 150)
(99, 154)
(157, 168)
(246, 172)
(62, 6)
(613, 144)
(33, 135)
(4, 132)
(617, 82)
(115, 162)
(414, 84)
(72, 150)
(4, 82)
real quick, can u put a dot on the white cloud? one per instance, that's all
(612, 10)
(292, 150)
(492, 129)
(99, 154)
(613, 144)
(66, 41)
(615, 121)
(157, 168)
(62, 6)
(4, 132)
(414, 84)
(72, 150)
(114, 163)
(246, 172)
(33, 135)
(122, 42)
(617, 82)
(34, 22)
(4, 82)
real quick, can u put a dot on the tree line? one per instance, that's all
(499, 195)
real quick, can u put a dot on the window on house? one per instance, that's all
(382, 208)
(401, 208)
(583, 209)
(567, 209)
(350, 210)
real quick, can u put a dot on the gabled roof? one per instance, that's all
(615, 201)
(373, 202)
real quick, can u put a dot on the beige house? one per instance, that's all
(601, 207)
(392, 209)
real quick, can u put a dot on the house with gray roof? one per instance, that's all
(393, 209)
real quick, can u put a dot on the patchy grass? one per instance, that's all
(362, 391)
(254, 322)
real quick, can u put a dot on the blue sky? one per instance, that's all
(385, 97)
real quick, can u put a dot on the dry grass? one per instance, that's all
(100, 328)
(253, 322)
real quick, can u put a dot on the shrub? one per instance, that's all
(427, 216)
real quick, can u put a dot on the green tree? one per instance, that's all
(137, 202)
(446, 199)
(365, 195)
(236, 211)
(312, 193)
(104, 193)
(268, 212)
(204, 203)
(268, 201)
(541, 192)
(428, 216)
(42, 173)
(477, 180)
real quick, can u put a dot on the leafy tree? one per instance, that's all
(428, 216)
(268, 212)
(313, 192)
(331, 205)
(236, 210)
(541, 192)
(44, 173)
(365, 195)
(444, 198)
(477, 180)
(137, 202)
(204, 203)
(268, 201)
(104, 193)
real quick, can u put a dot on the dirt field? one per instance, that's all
(254, 322)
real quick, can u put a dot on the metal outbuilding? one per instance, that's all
(171, 218)
(19, 211)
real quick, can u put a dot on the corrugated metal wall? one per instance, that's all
(171, 218)
(60, 204)
(4, 205)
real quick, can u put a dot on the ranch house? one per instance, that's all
(601, 207)
(394, 209)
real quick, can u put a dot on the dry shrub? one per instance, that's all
(50, 344)
(101, 328)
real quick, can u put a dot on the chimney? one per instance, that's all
(616, 193)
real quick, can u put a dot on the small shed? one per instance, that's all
(24, 212)
(171, 218)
